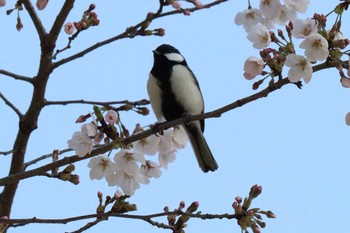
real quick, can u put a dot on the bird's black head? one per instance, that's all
(168, 53)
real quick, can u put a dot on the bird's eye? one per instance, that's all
(174, 57)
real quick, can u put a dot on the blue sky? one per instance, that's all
(294, 143)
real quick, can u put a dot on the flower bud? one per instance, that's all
(193, 207)
(270, 214)
(74, 179)
(255, 191)
(238, 199)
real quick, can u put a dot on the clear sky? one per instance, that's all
(294, 143)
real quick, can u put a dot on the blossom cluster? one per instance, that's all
(129, 168)
(318, 43)
(88, 19)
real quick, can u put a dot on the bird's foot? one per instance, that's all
(156, 130)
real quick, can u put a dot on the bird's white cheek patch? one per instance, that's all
(174, 57)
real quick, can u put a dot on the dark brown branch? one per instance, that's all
(35, 18)
(34, 161)
(166, 125)
(11, 105)
(105, 103)
(60, 19)
(130, 32)
(105, 216)
(16, 76)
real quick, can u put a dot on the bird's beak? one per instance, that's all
(156, 52)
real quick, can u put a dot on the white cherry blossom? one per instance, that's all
(269, 8)
(126, 160)
(259, 35)
(253, 66)
(284, 15)
(151, 169)
(249, 18)
(81, 143)
(147, 145)
(300, 68)
(304, 27)
(101, 166)
(129, 182)
(316, 47)
(297, 5)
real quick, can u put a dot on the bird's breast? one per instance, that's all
(186, 90)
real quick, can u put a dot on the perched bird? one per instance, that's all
(174, 92)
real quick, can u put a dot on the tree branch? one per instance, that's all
(35, 18)
(107, 103)
(16, 76)
(60, 19)
(6, 152)
(11, 105)
(105, 216)
(125, 141)
(34, 161)
(130, 32)
(163, 126)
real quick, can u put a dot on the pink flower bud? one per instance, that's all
(347, 119)
(69, 28)
(2, 3)
(176, 5)
(112, 117)
(41, 4)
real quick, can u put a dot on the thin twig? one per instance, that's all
(67, 102)
(34, 161)
(130, 32)
(11, 105)
(16, 76)
(6, 152)
(104, 216)
(35, 18)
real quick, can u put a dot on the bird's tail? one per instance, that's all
(200, 147)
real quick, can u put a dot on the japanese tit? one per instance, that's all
(174, 92)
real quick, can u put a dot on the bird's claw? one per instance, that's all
(156, 130)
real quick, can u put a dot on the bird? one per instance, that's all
(174, 92)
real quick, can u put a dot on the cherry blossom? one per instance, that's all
(260, 36)
(304, 27)
(90, 129)
(297, 5)
(147, 145)
(316, 47)
(253, 66)
(2, 3)
(69, 28)
(129, 182)
(126, 160)
(179, 137)
(300, 68)
(166, 158)
(285, 14)
(81, 143)
(101, 166)
(248, 18)
(151, 169)
(269, 8)
(112, 117)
